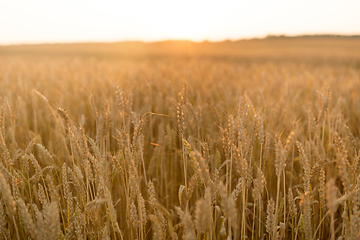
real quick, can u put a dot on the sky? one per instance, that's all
(44, 21)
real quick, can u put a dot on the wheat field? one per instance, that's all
(256, 139)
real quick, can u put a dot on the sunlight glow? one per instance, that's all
(24, 21)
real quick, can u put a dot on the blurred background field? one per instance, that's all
(302, 47)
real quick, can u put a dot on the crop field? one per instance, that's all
(254, 139)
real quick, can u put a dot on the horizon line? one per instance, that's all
(269, 36)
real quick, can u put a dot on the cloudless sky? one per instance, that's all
(39, 21)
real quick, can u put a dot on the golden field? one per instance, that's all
(253, 139)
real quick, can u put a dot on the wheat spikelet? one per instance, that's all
(346, 223)
(34, 163)
(342, 160)
(316, 154)
(305, 162)
(322, 188)
(196, 116)
(63, 114)
(270, 216)
(16, 182)
(301, 224)
(200, 166)
(142, 209)
(41, 95)
(259, 184)
(292, 204)
(119, 98)
(231, 126)
(259, 128)
(180, 118)
(311, 123)
(228, 206)
(134, 217)
(40, 229)
(203, 213)
(79, 223)
(243, 168)
(67, 193)
(89, 175)
(129, 103)
(356, 164)
(51, 218)
(75, 179)
(53, 192)
(111, 211)
(6, 195)
(98, 172)
(46, 152)
(325, 105)
(25, 163)
(76, 148)
(200, 216)
(41, 194)
(93, 147)
(151, 193)
(331, 198)
(27, 219)
(306, 210)
(116, 160)
(78, 182)
(36, 177)
(5, 155)
(105, 233)
(191, 186)
(357, 190)
(267, 149)
(108, 123)
(101, 128)
(157, 233)
(189, 231)
(3, 220)
(79, 142)
(290, 139)
(160, 216)
(355, 222)
(93, 107)
(350, 135)
(213, 185)
(206, 152)
(226, 143)
(238, 188)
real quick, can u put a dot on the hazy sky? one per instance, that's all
(34, 21)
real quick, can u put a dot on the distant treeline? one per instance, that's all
(314, 36)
